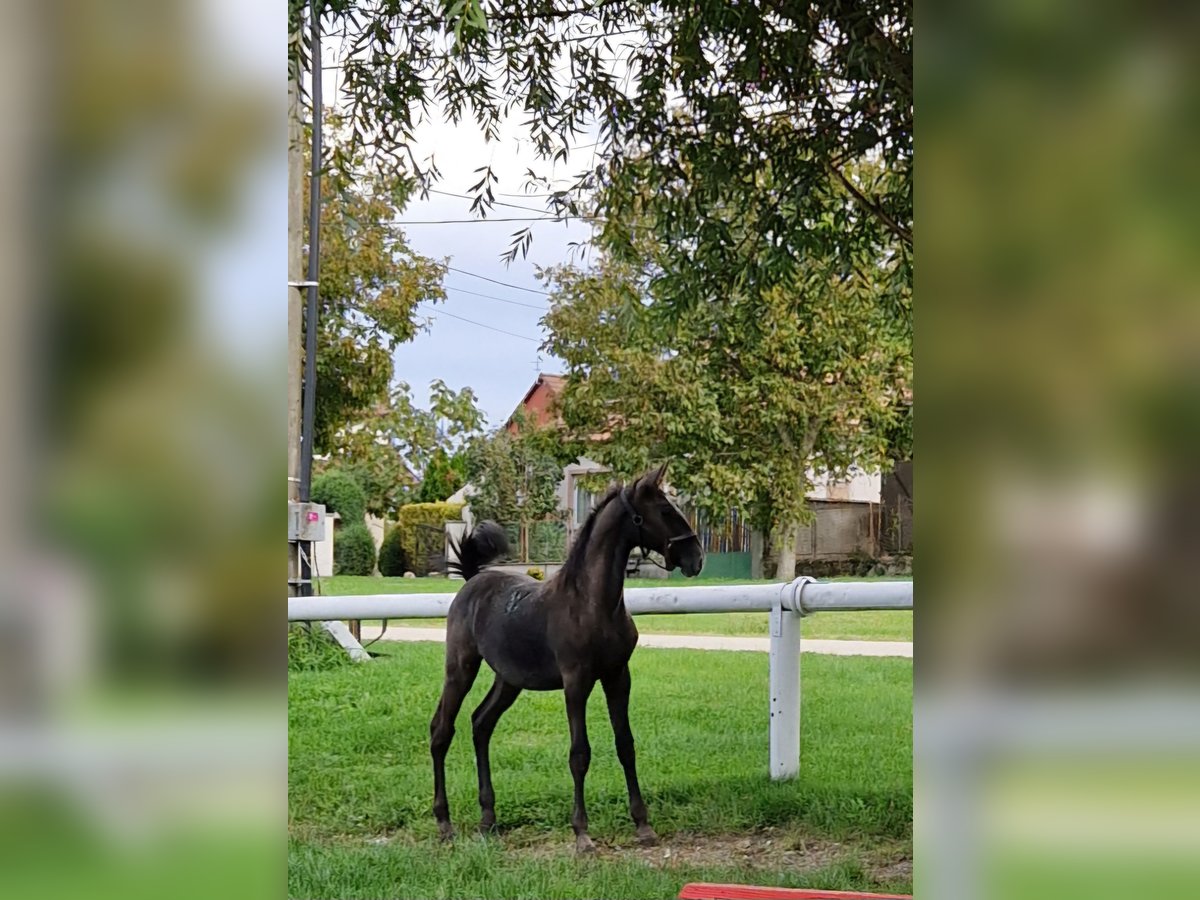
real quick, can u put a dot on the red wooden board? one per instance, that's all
(748, 892)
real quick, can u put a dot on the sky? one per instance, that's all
(499, 367)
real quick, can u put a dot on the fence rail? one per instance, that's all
(787, 603)
(803, 596)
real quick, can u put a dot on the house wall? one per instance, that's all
(537, 406)
(859, 487)
(323, 550)
(376, 527)
(839, 530)
(566, 488)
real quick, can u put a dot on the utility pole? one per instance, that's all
(295, 275)
(295, 300)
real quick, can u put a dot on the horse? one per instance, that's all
(566, 633)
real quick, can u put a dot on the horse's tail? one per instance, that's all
(486, 542)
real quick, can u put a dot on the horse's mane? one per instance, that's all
(572, 569)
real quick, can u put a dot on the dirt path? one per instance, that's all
(686, 641)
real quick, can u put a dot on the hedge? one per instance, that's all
(393, 561)
(341, 494)
(421, 526)
(353, 550)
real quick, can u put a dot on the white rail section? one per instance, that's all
(787, 603)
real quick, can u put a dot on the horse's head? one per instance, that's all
(661, 526)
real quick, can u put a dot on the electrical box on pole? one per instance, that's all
(306, 522)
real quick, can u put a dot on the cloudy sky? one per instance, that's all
(499, 366)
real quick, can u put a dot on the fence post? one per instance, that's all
(786, 612)
(785, 692)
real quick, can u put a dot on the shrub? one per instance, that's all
(421, 528)
(547, 541)
(353, 550)
(341, 494)
(393, 561)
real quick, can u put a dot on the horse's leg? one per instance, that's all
(483, 723)
(577, 690)
(616, 692)
(462, 665)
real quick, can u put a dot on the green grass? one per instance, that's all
(479, 868)
(312, 650)
(864, 626)
(360, 783)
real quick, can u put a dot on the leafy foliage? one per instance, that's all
(514, 480)
(690, 98)
(341, 493)
(746, 394)
(393, 561)
(353, 550)
(385, 449)
(444, 475)
(547, 541)
(371, 283)
(421, 532)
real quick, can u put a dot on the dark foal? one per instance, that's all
(564, 634)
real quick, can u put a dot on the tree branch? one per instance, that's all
(905, 234)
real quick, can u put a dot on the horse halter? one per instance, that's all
(638, 519)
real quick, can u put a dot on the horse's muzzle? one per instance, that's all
(691, 565)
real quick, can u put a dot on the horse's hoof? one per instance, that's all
(584, 845)
(646, 836)
(445, 832)
(487, 829)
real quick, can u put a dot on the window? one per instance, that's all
(583, 504)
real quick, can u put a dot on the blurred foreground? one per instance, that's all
(1058, 716)
(142, 720)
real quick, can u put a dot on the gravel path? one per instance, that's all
(688, 641)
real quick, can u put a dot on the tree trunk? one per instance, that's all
(756, 554)
(785, 551)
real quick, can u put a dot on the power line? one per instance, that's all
(563, 218)
(442, 312)
(501, 299)
(498, 52)
(531, 196)
(493, 203)
(501, 283)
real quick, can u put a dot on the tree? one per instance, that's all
(514, 480)
(750, 395)
(690, 97)
(384, 449)
(444, 475)
(371, 285)
(341, 493)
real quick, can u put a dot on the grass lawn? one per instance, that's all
(867, 626)
(360, 785)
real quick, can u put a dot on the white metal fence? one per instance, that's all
(787, 603)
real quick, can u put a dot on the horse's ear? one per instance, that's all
(655, 476)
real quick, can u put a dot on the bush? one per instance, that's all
(547, 541)
(421, 527)
(393, 561)
(353, 550)
(341, 494)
